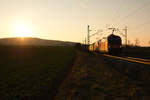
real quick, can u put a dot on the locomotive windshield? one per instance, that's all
(114, 39)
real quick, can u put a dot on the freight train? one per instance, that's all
(111, 44)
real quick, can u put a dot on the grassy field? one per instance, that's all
(96, 77)
(143, 52)
(31, 72)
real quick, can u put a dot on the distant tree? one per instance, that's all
(149, 42)
(137, 42)
(129, 42)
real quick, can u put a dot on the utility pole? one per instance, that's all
(88, 34)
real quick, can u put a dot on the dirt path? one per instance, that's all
(92, 79)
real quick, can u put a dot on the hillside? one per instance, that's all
(34, 41)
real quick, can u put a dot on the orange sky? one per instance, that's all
(68, 19)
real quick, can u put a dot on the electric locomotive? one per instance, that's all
(111, 44)
(114, 44)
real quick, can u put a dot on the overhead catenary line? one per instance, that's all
(116, 14)
(139, 26)
(91, 33)
(137, 10)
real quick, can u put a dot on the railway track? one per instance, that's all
(127, 58)
(107, 73)
(130, 59)
(136, 69)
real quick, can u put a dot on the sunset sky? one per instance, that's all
(67, 20)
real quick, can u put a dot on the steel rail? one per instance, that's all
(138, 60)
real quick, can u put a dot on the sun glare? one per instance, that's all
(21, 30)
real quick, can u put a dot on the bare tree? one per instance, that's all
(137, 42)
(129, 42)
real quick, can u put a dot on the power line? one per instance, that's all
(121, 33)
(119, 9)
(89, 34)
(137, 10)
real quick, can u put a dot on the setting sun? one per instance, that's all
(21, 30)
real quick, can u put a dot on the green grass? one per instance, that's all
(29, 71)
